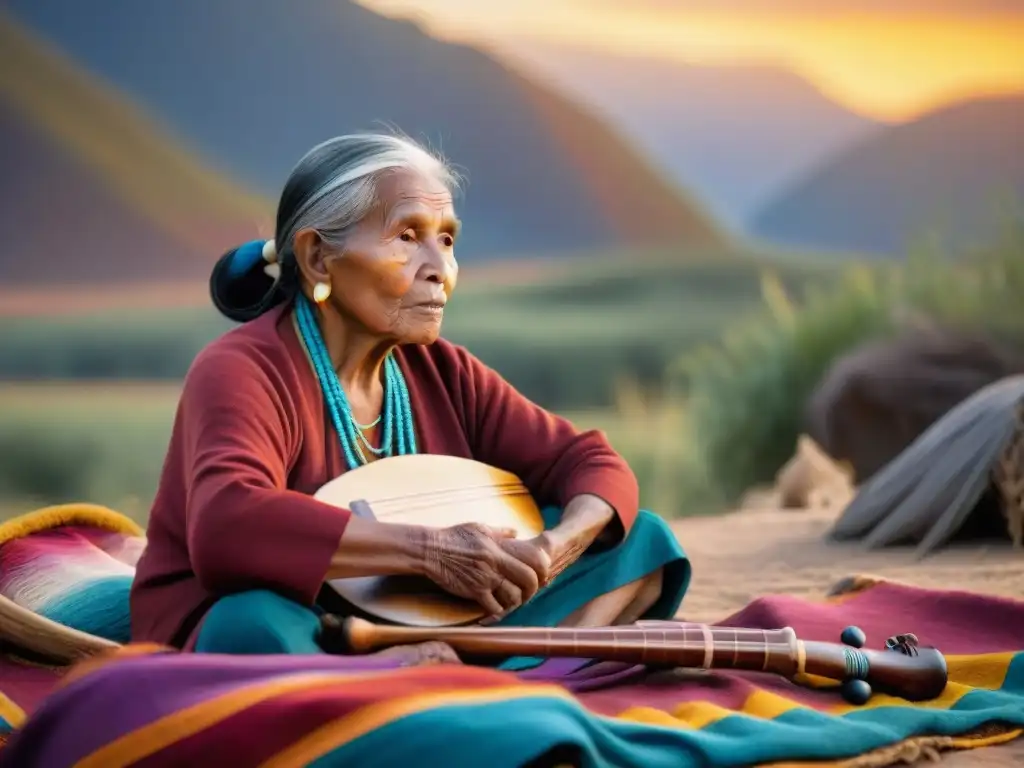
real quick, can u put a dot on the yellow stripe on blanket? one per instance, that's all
(143, 742)
(700, 714)
(68, 514)
(11, 713)
(966, 673)
(345, 729)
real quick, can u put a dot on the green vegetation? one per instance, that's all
(591, 339)
(83, 442)
(697, 371)
(562, 342)
(104, 443)
(745, 393)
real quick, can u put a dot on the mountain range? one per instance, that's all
(952, 172)
(92, 189)
(143, 139)
(776, 159)
(736, 134)
(137, 131)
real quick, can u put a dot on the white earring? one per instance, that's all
(321, 292)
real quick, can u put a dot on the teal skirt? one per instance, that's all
(262, 622)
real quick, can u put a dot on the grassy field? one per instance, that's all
(83, 442)
(590, 336)
(105, 443)
(562, 335)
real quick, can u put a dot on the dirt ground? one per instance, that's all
(741, 556)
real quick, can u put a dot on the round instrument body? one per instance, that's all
(435, 491)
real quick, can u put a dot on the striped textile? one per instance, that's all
(72, 564)
(152, 707)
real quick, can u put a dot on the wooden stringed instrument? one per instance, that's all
(443, 491)
(904, 669)
(422, 489)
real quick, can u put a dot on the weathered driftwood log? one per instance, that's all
(968, 463)
(878, 399)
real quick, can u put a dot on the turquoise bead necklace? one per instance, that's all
(398, 436)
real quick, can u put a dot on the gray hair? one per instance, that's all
(334, 186)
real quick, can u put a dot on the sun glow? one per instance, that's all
(890, 66)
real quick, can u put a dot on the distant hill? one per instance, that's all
(57, 219)
(93, 191)
(949, 169)
(252, 84)
(735, 134)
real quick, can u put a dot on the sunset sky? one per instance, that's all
(889, 59)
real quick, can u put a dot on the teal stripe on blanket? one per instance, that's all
(517, 731)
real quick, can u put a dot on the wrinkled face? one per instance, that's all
(397, 269)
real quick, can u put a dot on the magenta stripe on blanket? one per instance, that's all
(26, 684)
(948, 620)
(293, 716)
(135, 691)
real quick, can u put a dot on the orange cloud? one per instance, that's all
(891, 64)
(815, 7)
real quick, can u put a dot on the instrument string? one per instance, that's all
(439, 502)
(681, 628)
(383, 511)
(421, 508)
(514, 489)
(681, 639)
(648, 640)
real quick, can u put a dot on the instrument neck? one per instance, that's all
(669, 644)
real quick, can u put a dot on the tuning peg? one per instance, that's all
(856, 692)
(906, 644)
(854, 637)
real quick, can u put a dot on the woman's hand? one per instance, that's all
(485, 565)
(541, 548)
(584, 520)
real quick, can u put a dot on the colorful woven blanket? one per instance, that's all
(154, 707)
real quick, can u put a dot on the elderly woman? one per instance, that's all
(338, 362)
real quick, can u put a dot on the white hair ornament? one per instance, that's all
(272, 269)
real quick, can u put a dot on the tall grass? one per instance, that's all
(727, 418)
(562, 342)
(746, 394)
(591, 342)
(105, 443)
(100, 443)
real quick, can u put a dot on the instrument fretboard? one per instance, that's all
(654, 643)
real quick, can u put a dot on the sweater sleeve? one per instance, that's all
(245, 529)
(552, 458)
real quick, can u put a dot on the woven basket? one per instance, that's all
(29, 631)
